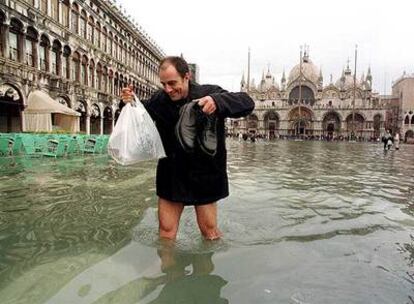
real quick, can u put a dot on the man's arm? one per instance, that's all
(232, 105)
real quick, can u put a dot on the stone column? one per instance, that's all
(22, 46)
(59, 62)
(102, 125)
(47, 57)
(5, 39)
(88, 123)
(113, 121)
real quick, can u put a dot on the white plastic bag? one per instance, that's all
(135, 137)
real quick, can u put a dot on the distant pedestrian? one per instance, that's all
(387, 140)
(397, 141)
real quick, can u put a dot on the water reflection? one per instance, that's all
(186, 278)
(197, 285)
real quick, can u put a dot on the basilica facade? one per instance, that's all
(302, 105)
(82, 53)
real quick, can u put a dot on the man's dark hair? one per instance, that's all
(178, 62)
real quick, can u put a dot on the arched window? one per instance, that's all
(129, 56)
(92, 74)
(54, 5)
(66, 62)
(140, 64)
(407, 120)
(115, 48)
(75, 18)
(412, 120)
(84, 71)
(44, 53)
(65, 13)
(120, 84)
(31, 42)
(111, 82)
(56, 61)
(104, 40)
(99, 75)
(115, 90)
(91, 30)
(121, 52)
(98, 35)
(75, 67)
(126, 59)
(15, 47)
(132, 64)
(110, 44)
(83, 29)
(105, 80)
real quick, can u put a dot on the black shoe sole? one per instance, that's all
(201, 144)
(177, 132)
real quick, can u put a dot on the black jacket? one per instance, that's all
(194, 178)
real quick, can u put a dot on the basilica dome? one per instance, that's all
(268, 82)
(346, 81)
(309, 71)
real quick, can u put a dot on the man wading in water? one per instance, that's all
(190, 120)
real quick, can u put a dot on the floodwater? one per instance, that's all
(306, 222)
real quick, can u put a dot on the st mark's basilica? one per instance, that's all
(304, 105)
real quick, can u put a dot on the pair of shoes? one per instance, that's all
(186, 127)
(207, 134)
(196, 126)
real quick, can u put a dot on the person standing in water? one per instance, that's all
(198, 177)
(387, 140)
(397, 140)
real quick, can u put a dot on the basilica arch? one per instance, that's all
(359, 121)
(252, 123)
(377, 125)
(11, 107)
(307, 95)
(300, 121)
(331, 124)
(271, 122)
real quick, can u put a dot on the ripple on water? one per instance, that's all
(60, 217)
(313, 190)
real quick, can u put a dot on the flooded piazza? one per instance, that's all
(305, 222)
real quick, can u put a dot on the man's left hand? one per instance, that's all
(208, 104)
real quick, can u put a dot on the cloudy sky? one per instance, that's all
(217, 34)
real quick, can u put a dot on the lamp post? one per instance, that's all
(300, 93)
(353, 97)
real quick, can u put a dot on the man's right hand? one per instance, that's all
(127, 94)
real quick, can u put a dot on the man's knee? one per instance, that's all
(168, 229)
(207, 220)
(169, 214)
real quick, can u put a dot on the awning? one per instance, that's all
(40, 102)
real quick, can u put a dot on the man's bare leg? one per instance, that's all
(207, 221)
(169, 214)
